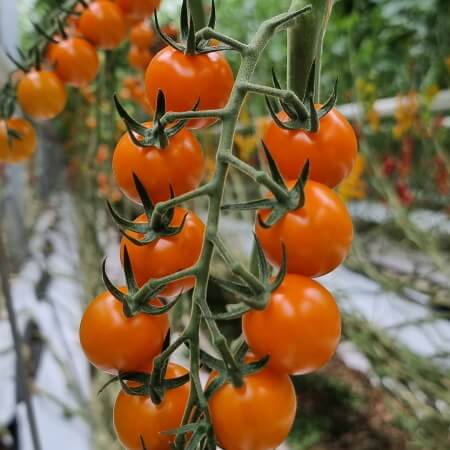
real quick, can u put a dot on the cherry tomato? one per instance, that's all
(138, 8)
(116, 343)
(256, 416)
(17, 149)
(300, 327)
(75, 61)
(41, 94)
(103, 24)
(136, 416)
(185, 79)
(331, 151)
(317, 237)
(138, 58)
(142, 35)
(168, 254)
(180, 165)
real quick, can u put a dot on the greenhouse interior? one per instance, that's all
(224, 225)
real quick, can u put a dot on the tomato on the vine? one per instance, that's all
(138, 8)
(317, 237)
(136, 416)
(103, 24)
(180, 165)
(116, 343)
(255, 416)
(20, 147)
(142, 35)
(331, 151)
(41, 94)
(299, 329)
(169, 254)
(139, 58)
(75, 61)
(186, 79)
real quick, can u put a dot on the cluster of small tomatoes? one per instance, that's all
(71, 59)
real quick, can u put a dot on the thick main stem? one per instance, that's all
(21, 375)
(305, 41)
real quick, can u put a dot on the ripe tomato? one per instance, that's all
(103, 24)
(180, 164)
(136, 416)
(186, 79)
(142, 35)
(138, 58)
(168, 254)
(41, 94)
(75, 61)
(115, 343)
(256, 416)
(331, 151)
(317, 237)
(17, 149)
(138, 8)
(300, 327)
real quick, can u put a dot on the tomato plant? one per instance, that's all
(317, 236)
(187, 79)
(17, 140)
(116, 343)
(41, 94)
(299, 329)
(74, 60)
(103, 24)
(169, 254)
(331, 150)
(137, 417)
(180, 165)
(257, 415)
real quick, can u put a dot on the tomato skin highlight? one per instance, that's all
(75, 61)
(103, 24)
(115, 343)
(256, 416)
(185, 79)
(136, 416)
(41, 94)
(331, 151)
(317, 237)
(299, 329)
(167, 254)
(17, 150)
(180, 165)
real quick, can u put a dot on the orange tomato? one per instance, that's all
(185, 79)
(41, 94)
(180, 165)
(138, 58)
(299, 329)
(256, 416)
(142, 35)
(103, 24)
(317, 237)
(136, 416)
(331, 151)
(168, 254)
(13, 149)
(116, 343)
(138, 8)
(75, 61)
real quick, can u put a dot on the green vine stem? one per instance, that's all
(305, 41)
(197, 10)
(22, 376)
(214, 190)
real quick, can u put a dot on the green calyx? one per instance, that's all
(159, 134)
(295, 120)
(192, 43)
(7, 102)
(284, 201)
